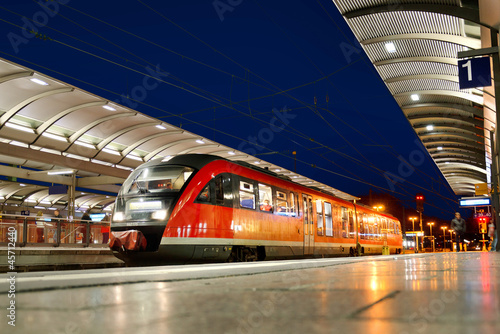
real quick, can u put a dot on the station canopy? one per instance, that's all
(413, 45)
(54, 133)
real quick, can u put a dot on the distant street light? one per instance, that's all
(413, 229)
(430, 227)
(444, 235)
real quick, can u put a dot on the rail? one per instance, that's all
(35, 231)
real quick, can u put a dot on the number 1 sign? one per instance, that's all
(474, 72)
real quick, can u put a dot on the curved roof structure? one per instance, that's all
(413, 45)
(52, 132)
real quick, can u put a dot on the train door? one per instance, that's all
(223, 200)
(308, 224)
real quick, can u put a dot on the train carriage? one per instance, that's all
(201, 208)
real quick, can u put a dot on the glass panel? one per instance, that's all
(328, 219)
(204, 195)
(247, 197)
(156, 179)
(281, 203)
(345, 230)
(319, 217)
(265, 198)
(219, 191)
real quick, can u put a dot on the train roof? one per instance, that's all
(198, 161)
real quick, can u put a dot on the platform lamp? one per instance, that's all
(379, 207)
(413, 229)
(444, 236)
(431, 224)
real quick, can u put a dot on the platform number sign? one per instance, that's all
(474, 72)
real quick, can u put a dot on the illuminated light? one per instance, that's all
(134, 157)
(100, 162)
(18, 143)
(257, 162)
(231, 153)
(429, 127)
(200, 141)
(19, 127)
(277, 170)
(123, 167)
(56, 137)
(22, 185)
(30, 200)
(167, 158)
(110, 108)
(74, 156)
(45, 202)
(440, 148)
(39, 82)
(159, 215)
(39, 207)
(415, 97)
(60, 172)
(81, 143)
(53, 209)
(110, 151)
(390, 47)
(447, 162)
(161, 127)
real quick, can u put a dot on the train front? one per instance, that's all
(142, 209)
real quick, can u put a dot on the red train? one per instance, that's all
(203, 208)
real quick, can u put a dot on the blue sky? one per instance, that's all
(224, 67)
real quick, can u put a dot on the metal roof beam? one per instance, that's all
(445, 118)
(462, 95)
(444, 60)
(117, 134)
(164, 147)
(469, 14)
(462, 107)
(12, 111)
(60, 160)
(17, 75)
(471, 43)
(453, 134)
(95, 123)
(51, 121)
(138, 143)
(452, 78)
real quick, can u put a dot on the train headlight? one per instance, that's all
(118, 216)
(159, 214)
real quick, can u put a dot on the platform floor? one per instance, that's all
(422, 293)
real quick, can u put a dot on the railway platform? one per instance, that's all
(418, 293)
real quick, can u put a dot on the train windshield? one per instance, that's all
(156, 179)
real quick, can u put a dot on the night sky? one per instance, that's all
(224, 66)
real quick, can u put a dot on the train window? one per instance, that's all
(219, 191)
(362, 225)
(265, 198)
(344, 223)
(328, 219)
(319, 217)
(351, 225)
(281, 203)
(204, 195)
(294, 205)
(247, 196)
